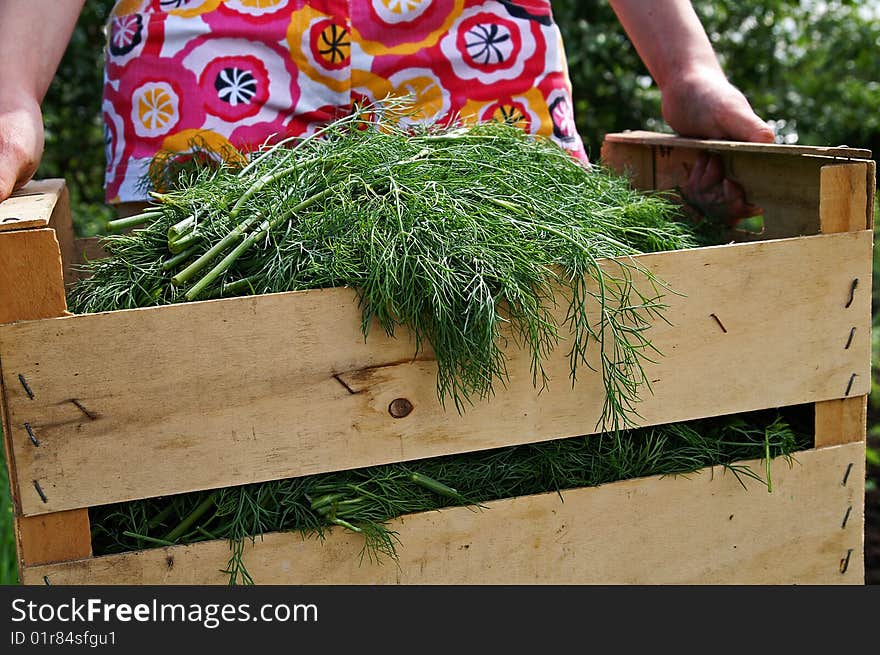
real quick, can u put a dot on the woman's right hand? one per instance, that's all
(21, 140)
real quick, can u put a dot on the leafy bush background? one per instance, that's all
(810, 66)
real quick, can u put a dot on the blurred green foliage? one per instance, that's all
(72, 118)
(8, 568)
(810, 66)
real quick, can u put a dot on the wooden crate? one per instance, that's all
(133, 404)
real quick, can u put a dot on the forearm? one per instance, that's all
(33, 37)
(668, 36)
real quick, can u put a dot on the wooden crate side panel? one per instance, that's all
(229, 392)
(61, 221)
(841, 421)
(659, 139)
(784, 183)
(31, 206)
(700, 529)
(786, 188)
(634, 160)
(31, 287)
(54, 537)
(843, 197)
(30, 276)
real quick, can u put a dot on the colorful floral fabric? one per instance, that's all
(218, 74)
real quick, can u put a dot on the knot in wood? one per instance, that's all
(400, 408)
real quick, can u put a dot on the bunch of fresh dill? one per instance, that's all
(363, 500)
(464, 235)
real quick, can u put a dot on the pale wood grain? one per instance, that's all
(218, 393)
(843, 198)
(31, 206)
(31, 287)
(61, 221)
(55, 537)
(31, 276)
(783, 183)
(671, 140)
(703, 529)
(841, 421)
(631, 159)
(845, 205)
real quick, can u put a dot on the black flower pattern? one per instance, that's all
(126, 33)
(336, 45)
(483, 42)
(235, 86)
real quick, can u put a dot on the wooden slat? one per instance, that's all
(786, 188)
(631, 159)
(672, 140)
(845, 205)
(843, 198)
(841, 421)
(784, 185)
(55, 537)
(704, 528)
(31, 287)
(30, 276)
(61, 221)
(227, 392)
(31, 206)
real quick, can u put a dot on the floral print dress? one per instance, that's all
(221, 75)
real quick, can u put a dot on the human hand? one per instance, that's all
(713, 195)
(703, 104)
(21, 141)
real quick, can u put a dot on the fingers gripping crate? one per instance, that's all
(100, 408)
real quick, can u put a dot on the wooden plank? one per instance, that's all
(61, 221)
(30, 276)
(786, 188)
(55, 537)
(672, 140)
(31, 287)
(845, 205)
(704, 528)
(841, 421)
(241, 390)
(843, 198)
(631, 159)
(31, 206)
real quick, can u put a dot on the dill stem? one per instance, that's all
(179, 258)
(240, 286)
(184, 242)
(258, 186)
(152, 540)
(132, 221)
(194, 516)
(161, 516)
(433, 485)
(232, 237)
(345, 524)
(265, 227)
(181, 228)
